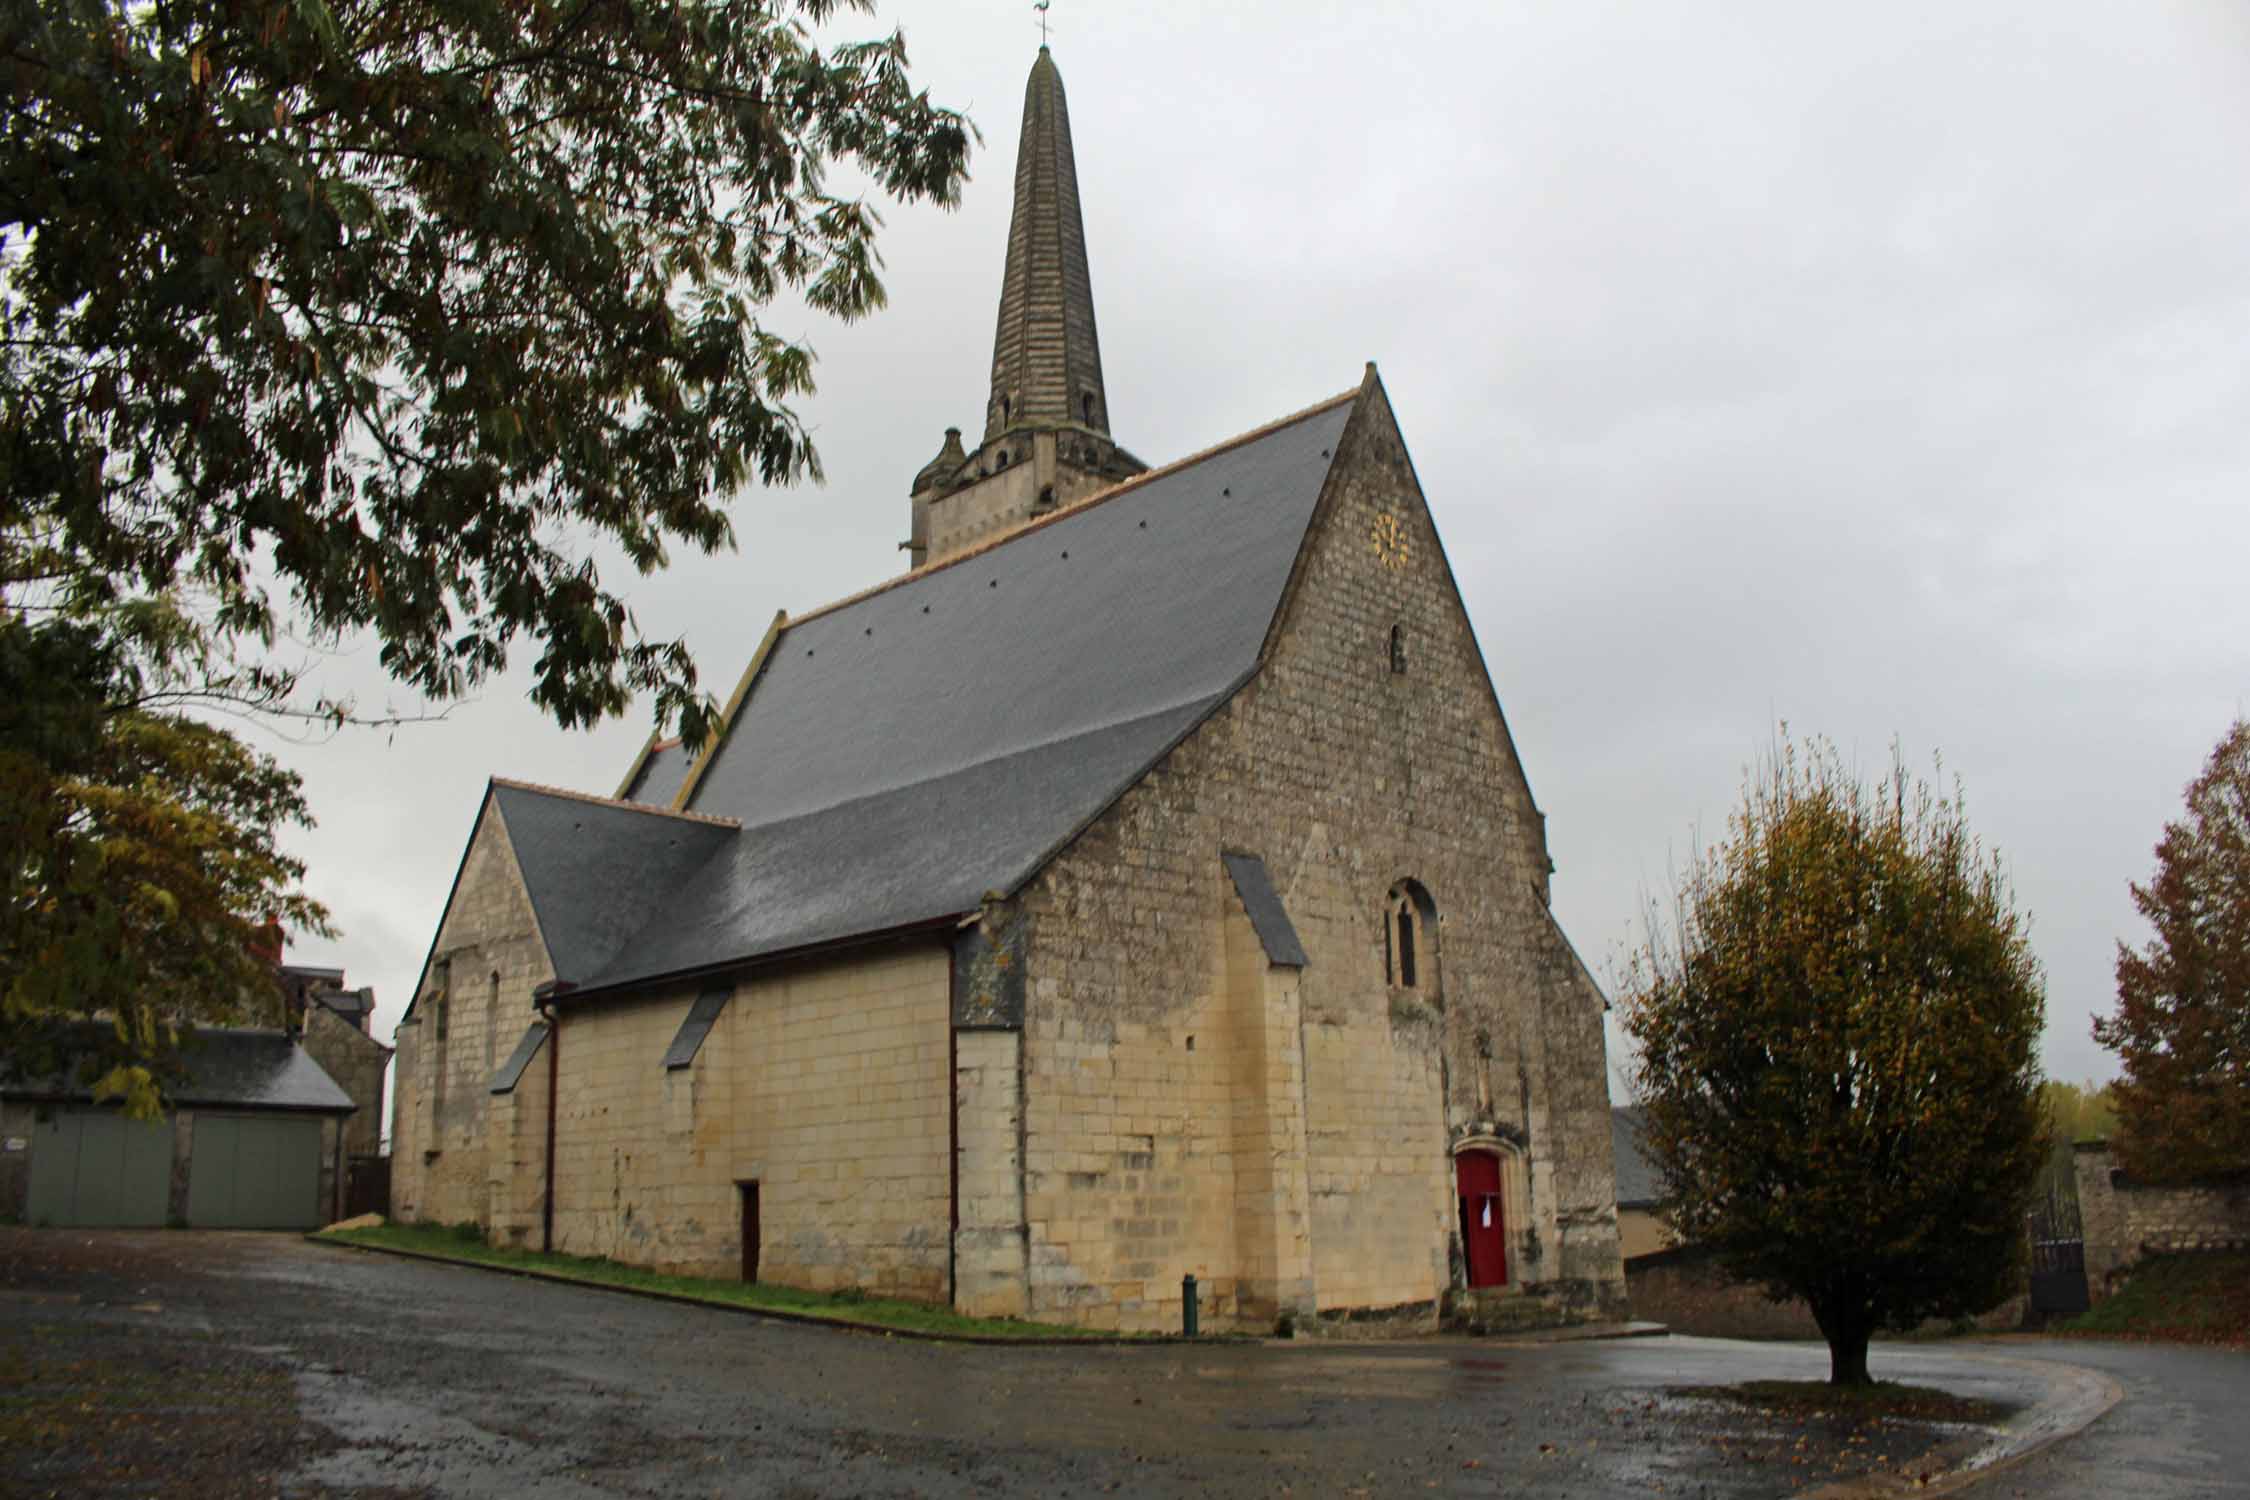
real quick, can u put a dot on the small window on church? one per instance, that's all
(1086, 407)
(1398, 648)
(1003, 417)
(1410, 937)
(1047, 498)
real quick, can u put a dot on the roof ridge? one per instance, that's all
(1076, 506)
(617, 802)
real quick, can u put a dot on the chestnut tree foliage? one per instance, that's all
(2182, 1024)
(340, 317)
(1837, 1041)
(140, 852)
(409, 300)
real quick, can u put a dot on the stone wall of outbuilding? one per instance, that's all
(357, 1062)
(2124, 1221)
(1684, 1289)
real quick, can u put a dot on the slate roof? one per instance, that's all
(598, 870)
(511, 1071)
(236, 1067)
(1639, 1184)
(661, 775)
(903, 753)
(350, 1004)
(1268, 917)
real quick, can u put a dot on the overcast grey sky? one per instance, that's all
(1880, 369)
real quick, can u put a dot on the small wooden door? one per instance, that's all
(749, 1231)
(1484, 1229)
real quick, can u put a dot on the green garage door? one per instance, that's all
(93, 1168)
(254, 1172)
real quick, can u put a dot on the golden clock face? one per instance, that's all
(1389, 540)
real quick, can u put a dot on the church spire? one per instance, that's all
(1046, 422)
(1046, 357)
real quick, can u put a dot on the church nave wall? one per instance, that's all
(823, 1084)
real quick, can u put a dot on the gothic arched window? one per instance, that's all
(1410, 937)
(1398, 648)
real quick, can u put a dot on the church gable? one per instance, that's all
(1431, 1011)
(470, 1007)
(1372, 605)
(488, 901)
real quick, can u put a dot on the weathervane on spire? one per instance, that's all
(1041, 7)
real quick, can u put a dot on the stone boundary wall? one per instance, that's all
(2125, 1221)
(1684, 1289)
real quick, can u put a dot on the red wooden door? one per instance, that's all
(1484, 1233)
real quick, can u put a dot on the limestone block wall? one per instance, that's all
(1003, 500)
(1683, 1288)
(1579, 1188)
(991, 1253)
(825, 1084)
(357, 1062)
(488, 959)
(1273, 1218)
(1377, 1144)
(1346, 777)
(2125, 1221)
(1129, 1164)
(515, 1159)
(643, 1167)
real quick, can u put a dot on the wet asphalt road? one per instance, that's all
(428, 1379)
(2183, 1429)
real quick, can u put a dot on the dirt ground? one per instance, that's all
(221, 1365)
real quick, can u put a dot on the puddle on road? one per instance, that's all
(391, 1443)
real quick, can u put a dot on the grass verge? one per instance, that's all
(2201, 1297)
(1882, 1398)
(467, 1247)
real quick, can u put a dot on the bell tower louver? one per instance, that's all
(1046, 424)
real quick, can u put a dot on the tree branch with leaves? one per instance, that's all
(342, 317)
(2182, 1023)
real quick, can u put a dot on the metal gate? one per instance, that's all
(368, 1187)
(2058, 1258)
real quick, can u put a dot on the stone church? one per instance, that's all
(1143, 885)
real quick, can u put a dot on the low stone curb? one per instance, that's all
(2077, 1398)
(780, 1315)
(1582, 1333)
